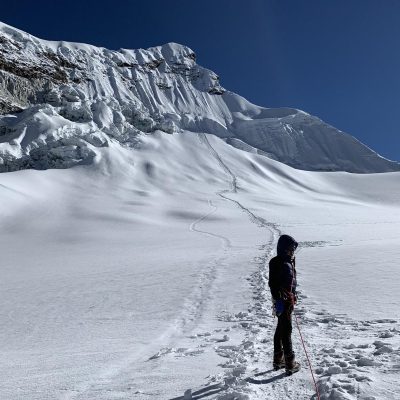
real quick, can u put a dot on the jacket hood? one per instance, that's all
(285, 242)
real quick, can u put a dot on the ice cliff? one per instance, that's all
(60, 102)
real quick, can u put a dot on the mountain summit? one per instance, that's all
(61, 101)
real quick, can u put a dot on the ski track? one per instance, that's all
(342, 372)
(193, 227)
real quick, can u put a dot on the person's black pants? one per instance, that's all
(283, 336)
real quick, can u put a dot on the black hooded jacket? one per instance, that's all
(282, 271)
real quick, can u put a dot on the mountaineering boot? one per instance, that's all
(278, 361)
(294, 367)
(291, 365)
(278, 365)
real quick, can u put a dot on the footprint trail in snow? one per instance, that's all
(349, 357)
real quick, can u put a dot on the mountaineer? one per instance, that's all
(282, 283)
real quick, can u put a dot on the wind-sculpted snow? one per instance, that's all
(60, 102)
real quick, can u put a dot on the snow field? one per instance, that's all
(145, 276)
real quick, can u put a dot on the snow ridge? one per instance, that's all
(60, 102)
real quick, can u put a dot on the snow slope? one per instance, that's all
(61, 102)
(141, 272)
(143, 275)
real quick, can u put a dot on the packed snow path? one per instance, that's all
(341, 372)
(235, 383)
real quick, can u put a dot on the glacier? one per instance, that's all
(60, 102)
(140, 204)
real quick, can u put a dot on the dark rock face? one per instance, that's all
(47, 65)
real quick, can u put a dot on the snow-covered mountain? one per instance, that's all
(60, 102)
(144, 274)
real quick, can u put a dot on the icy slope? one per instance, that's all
(61, 102)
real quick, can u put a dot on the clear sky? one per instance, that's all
(336, 59)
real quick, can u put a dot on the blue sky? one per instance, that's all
(336, 59)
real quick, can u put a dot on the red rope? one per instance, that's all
(308, 359)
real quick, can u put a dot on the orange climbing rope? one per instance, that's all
(308, 359)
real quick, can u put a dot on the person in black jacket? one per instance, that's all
(282, 283)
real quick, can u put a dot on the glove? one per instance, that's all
(279, 307)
